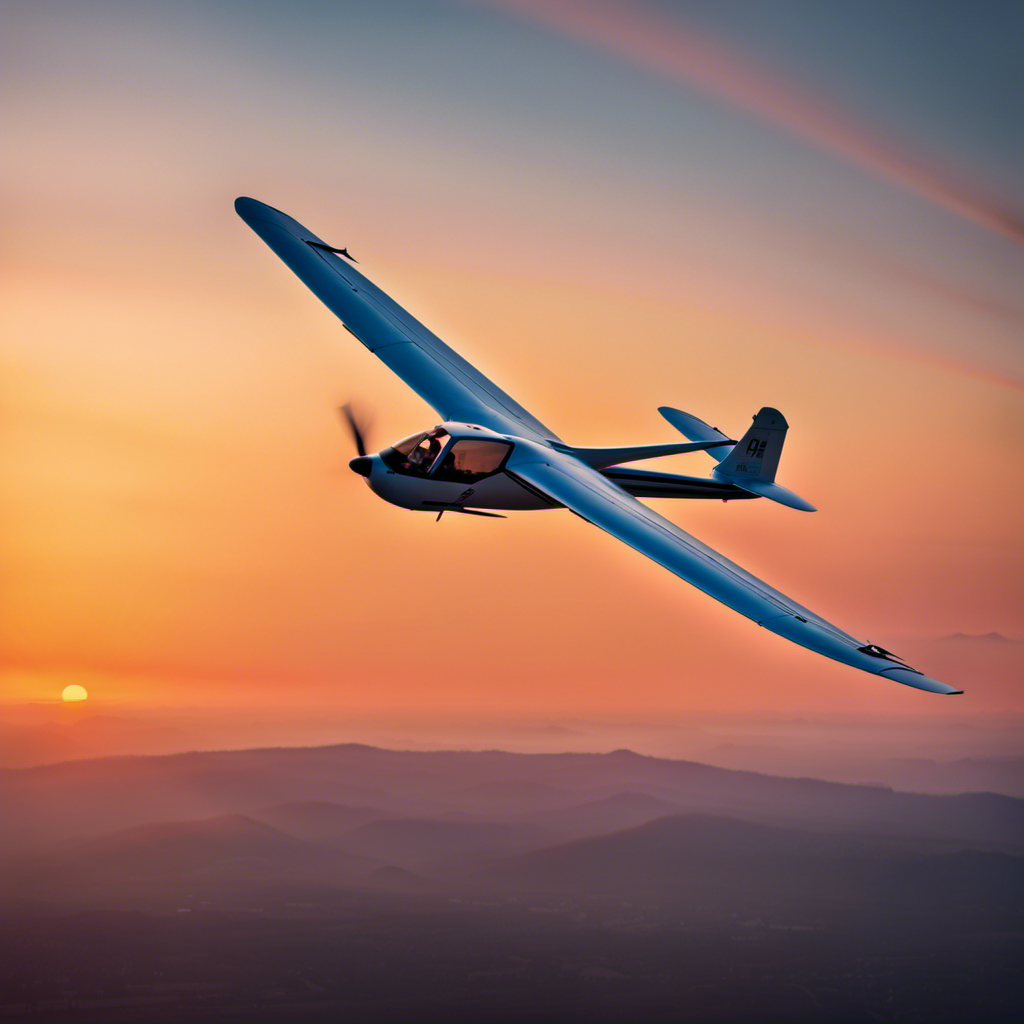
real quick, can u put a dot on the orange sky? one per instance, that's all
(181, 526)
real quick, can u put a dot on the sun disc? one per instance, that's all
(74, 692)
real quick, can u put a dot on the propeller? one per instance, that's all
(359, 427)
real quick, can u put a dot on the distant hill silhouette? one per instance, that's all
(698, 851)
(469, 825)
(230, 846)
(511, 795)
(980, 638)
(996, 774)
(670, 848)
(319, 821)
(621, 810)
(701, 858)
(414, 843)
(77, 800)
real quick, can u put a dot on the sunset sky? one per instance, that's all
(607, 207)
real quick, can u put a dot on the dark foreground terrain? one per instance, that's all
(277, 955)
(352, 883)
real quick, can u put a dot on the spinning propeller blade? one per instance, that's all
(357, 429)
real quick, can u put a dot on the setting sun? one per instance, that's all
(74, 693)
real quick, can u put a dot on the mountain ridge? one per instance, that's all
(78, 798)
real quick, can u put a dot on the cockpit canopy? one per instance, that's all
(435, 454)
(417, 454)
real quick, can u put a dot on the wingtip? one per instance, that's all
(248, 209)
(252, 209)
(910, 677)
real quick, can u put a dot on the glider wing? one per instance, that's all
(593, 497)
(438, 374)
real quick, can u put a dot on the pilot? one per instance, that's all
(423, 455)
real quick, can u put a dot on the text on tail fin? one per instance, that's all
(756, 456)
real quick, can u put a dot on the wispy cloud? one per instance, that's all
(668, 47)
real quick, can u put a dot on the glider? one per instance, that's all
(490, 453)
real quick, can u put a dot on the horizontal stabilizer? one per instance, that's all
(696, 429)
(774, 491)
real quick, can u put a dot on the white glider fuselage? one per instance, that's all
(464, 466)
(443, 481)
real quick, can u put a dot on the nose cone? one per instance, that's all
(361, 465)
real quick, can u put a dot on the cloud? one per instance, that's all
(669, 48)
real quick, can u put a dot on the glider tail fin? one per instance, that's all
(756, 456)
(751, 465)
